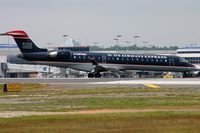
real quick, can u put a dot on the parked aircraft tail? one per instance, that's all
(25, 44)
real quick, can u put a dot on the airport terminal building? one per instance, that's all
(11, 66)
(191, 54)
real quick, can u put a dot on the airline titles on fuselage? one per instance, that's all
(127, 55)
(137, 56)
(118, 57)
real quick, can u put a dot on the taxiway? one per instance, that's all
(109, 82)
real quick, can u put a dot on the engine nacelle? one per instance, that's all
(34, 56)
(53, 54)
(60, 54)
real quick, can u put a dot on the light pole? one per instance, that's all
(117, 43)
(135, 37)
(116, 39)
(118, 36)
(65, 36)
(49, 44)
(127, 42)
(96, 43)
(151, 46)
(145, 42)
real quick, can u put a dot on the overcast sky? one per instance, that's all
(160, 22)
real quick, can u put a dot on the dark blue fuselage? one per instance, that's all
(111, 61)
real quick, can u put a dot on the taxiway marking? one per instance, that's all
(153, 86)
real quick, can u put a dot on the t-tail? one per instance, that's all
(25, 44)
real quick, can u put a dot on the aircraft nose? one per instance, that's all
(191, 65)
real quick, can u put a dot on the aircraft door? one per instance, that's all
(104, 59)
(171, 62)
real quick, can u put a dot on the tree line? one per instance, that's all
(132, 48)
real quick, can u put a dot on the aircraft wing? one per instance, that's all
(97, 67)
(104, 67)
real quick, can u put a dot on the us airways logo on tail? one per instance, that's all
(27, 45)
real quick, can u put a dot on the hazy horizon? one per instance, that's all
(158, 22)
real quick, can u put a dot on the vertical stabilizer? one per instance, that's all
(25, 44)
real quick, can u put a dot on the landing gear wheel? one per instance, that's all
(90, 75)
(187, 75)
(97, 75)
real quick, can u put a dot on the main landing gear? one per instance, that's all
(92, 75)
(187, 75)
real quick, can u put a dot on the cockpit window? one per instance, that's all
(182, 60)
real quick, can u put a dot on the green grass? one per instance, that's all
(68, 104)
(115, 90)
(162, 122)
(36, 97)
(42, 89)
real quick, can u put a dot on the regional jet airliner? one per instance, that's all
(93, 62)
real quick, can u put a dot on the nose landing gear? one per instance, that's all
(187, 75)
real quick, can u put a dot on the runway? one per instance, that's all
(106, 82)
